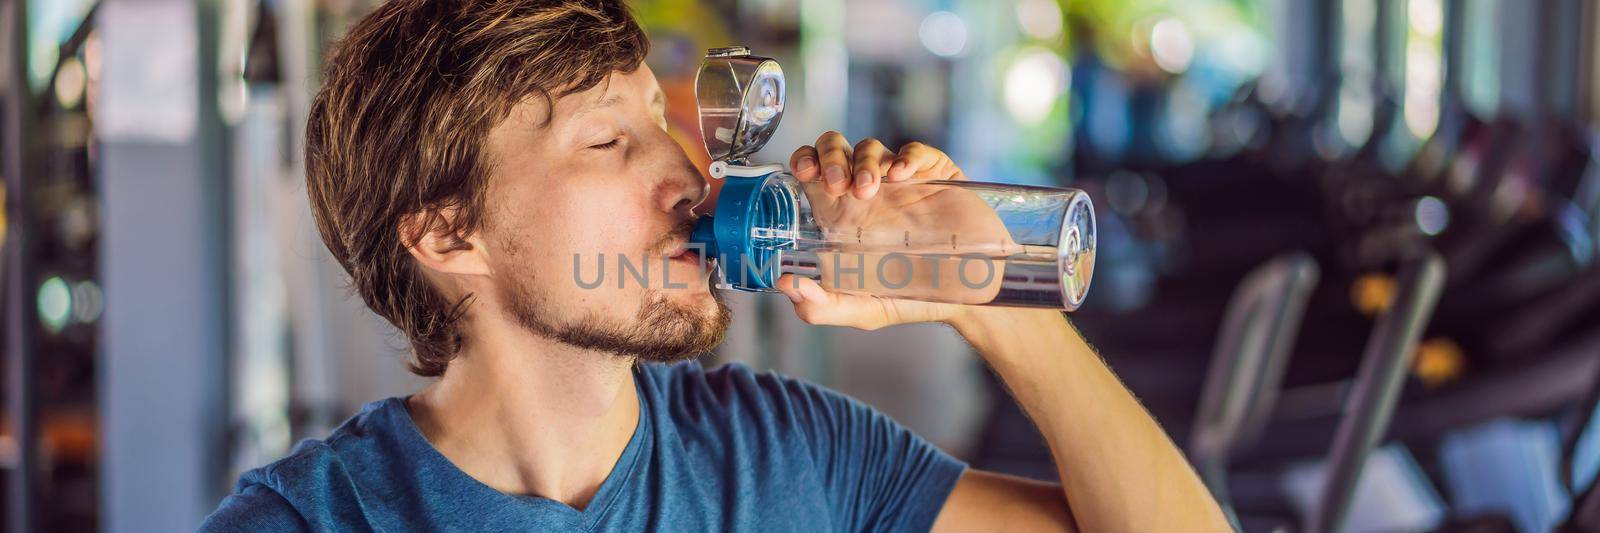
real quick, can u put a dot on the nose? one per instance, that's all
(683, 190)
(681, 187)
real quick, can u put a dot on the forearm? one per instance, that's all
(1119, 470)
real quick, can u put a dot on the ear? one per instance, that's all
(427, 236)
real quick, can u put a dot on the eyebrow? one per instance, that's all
(604, 103)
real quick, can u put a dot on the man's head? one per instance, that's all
(465, 157)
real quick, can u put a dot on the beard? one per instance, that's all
(660, 331)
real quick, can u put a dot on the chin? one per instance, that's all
(700, 296)
(681, 325)
(701, 302)
(698, 290)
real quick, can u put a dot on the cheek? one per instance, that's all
(597, 221)
(585, 224)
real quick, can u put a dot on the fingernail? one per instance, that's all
(794, 297)
(805, 163)
(834, 174)
(898, 166)
(817, 292)
(863, 179)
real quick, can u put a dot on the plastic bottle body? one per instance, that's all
(942, 241)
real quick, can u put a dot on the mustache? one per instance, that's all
(677, 236)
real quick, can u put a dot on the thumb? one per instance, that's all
(818, 306)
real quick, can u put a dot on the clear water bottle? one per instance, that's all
(941, 241)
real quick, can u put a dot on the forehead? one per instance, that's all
(618, 89)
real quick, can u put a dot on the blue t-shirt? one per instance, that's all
(721, 450)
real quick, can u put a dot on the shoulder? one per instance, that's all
(318, 481)
(319, 462)
(254, 507)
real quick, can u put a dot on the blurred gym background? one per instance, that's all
(1347, 246)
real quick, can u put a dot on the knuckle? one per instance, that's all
(864, 158)
(868, 143)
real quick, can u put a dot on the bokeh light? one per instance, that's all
(943, 33)
(71, 80)
(1424, 67)
(1171, 45)
(1432, 215)
(1040, 19)
(87, 301)
(55, 303)
(1033, 84)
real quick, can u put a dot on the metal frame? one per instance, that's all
(1377, 387)
(1244, 378)
(20, 319)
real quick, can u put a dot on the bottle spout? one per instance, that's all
(704, 235)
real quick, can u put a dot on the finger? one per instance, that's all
(797, 287)
(920, 161)
(884, 161)
(804, 163)
(833, 154)
(818, 306)
(866, 168)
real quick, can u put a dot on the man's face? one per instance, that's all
(569, 200)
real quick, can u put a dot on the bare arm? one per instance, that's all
(1118, 469)
(986, 501)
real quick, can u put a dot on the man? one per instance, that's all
(462, 153)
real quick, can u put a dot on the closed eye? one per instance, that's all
(613, 143)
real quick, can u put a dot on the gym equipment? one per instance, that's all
(1247, 366)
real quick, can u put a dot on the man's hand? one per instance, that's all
(858, 170)
(843, 184)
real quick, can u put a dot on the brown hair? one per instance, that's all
(397, 131)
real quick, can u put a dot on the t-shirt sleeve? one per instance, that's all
(880, 475)
(254, 507)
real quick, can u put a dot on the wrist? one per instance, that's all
(987, 327)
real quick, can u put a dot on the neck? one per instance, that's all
(526, 415)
